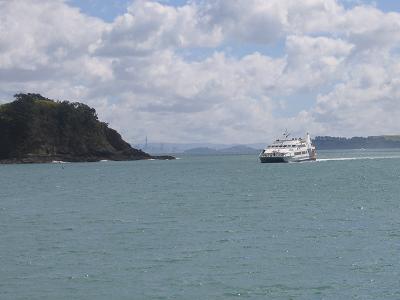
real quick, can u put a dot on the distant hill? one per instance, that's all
(201, 151)
(163, 147)
(239, 149)
(371, 142)
(37, 129)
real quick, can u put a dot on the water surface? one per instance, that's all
(217, 227)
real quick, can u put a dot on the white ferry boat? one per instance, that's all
(289, 150)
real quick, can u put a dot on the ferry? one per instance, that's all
(289, 150)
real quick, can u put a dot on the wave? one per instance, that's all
(356, 158)
(59, 162)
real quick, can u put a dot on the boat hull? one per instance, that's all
(279, 159)
(272, 159)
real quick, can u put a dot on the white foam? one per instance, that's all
(104, 160)
(356, 158)
(59, 162)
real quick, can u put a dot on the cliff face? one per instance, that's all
(36, 129)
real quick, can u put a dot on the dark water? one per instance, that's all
(222, 227)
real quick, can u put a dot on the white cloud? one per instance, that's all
(38, 34)
(367, 103)
(150, 26)
(219, 95)
(368, 27)
(314, 61)
(136, 71)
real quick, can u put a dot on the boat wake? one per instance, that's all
(356, 158)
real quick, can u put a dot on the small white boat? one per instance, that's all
(289, 150)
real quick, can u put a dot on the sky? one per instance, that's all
(217, 71)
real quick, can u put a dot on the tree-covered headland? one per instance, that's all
(37, 129)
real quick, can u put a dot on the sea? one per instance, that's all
(203, 227)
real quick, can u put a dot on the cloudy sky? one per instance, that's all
(222, 71)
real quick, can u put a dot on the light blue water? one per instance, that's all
(222, 227)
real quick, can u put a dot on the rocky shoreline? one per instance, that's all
(39, 159)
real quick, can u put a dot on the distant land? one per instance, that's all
(371, 142)
(35, 129)
(180, 148)
(239, 149)
(321, 142)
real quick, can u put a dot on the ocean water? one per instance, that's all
(216, 227)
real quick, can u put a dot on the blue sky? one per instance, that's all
(108, 10)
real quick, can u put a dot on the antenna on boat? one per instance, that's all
(286, 133)
(308, 140)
